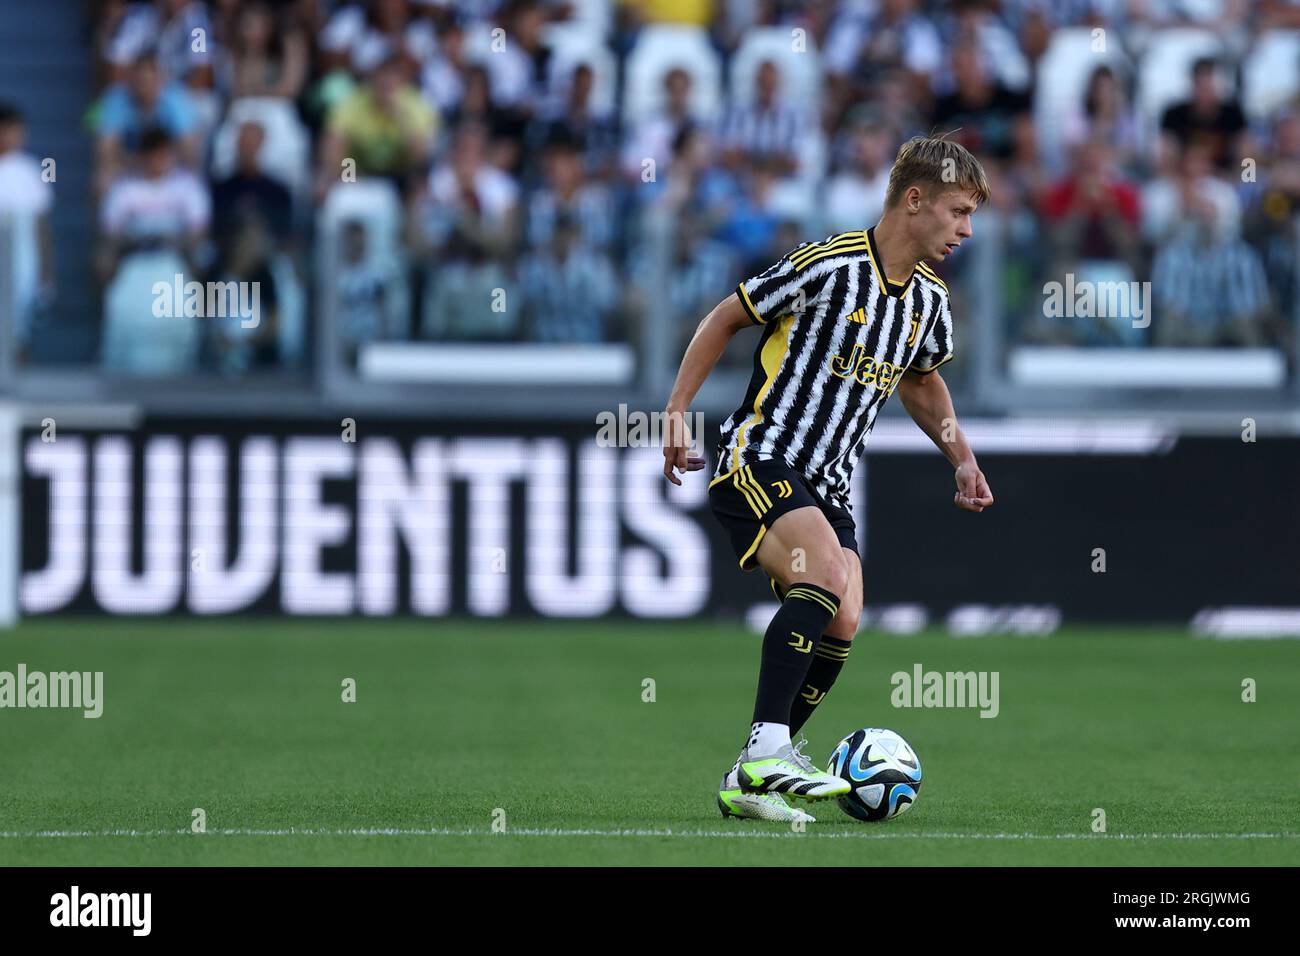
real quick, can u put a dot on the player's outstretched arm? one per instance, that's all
(928, 401)
(707, 345)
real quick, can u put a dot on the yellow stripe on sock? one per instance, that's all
(807, 595)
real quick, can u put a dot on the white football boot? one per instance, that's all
(788, 771)
(734, 802)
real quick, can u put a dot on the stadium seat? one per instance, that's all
(373, 202)
(377, 206)
(1270, 74)
(573, 45)
(1165, 70)
(661, 48)
(801, 72)
(136, 341)
(1062, 79)
(285, 151)
(592, 17)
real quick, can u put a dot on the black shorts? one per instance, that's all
(748, 501)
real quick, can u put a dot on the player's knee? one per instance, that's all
(831, 573)
(845, 623)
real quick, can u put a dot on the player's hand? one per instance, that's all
(973, 492)
(677, 444)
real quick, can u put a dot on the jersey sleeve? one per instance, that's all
(937, 347)
(780, 290)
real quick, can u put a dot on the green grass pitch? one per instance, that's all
(546, 722)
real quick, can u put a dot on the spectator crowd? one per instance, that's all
(525, 170)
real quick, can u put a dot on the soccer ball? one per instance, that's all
(883, 769)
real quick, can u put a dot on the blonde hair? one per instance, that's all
(937, 162)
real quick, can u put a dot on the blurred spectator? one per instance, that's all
(1206, 120)
(25, 200)
(178, 32)
(569, 290)
(1106, 114)
(567, 193)
(1024, 176)
(767, 133)
(152, 224)
(471, 207)
(442, 77)
(517, 69)
(855, 195)
(268, 58)
(899, 108)
(1091, 220)
(649, 146)
(755, 215)
(1094, 212)
(160, 206)
(980, 113)
(1209, 287)
(473, 300)
(978, 22)
(693, 186)
(143, 102)
(523, 192)
(1271, 220)
(1169, 201)
(362, 35)
(505, 128)
(385, 127)
(868, 39)
(249, 194)
(573, 113)
(248, 340)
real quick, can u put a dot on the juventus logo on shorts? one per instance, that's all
(783, 489)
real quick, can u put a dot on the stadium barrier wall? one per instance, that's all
(1092, 523)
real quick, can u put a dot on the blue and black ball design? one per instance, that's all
(883, 769)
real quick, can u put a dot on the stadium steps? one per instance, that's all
(47, 70)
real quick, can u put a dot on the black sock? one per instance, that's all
(788, 649)
(826, 664)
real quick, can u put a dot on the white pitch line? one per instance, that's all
(689, 834)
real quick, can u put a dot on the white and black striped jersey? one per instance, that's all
(837, 337)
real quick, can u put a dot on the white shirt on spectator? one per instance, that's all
(652, 139)
(173, 206)
(22, 190)
(1162, 208)
(496, 191)
(24, 194)
(512, 77)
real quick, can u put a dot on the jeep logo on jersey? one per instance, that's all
(867, 370)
